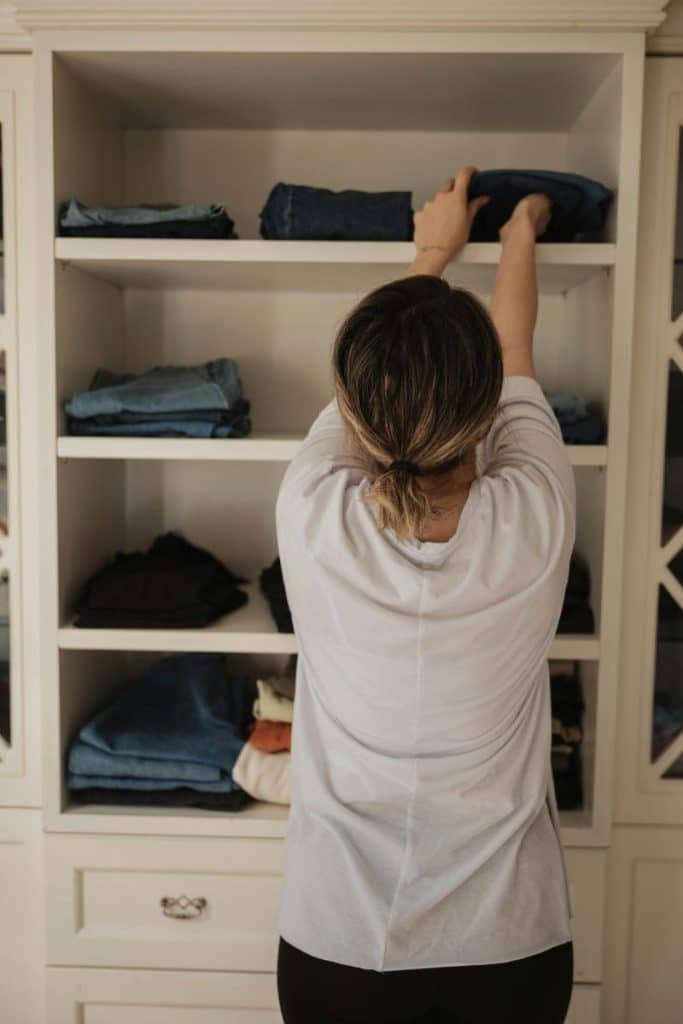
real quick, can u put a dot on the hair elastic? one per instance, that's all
(414, 470)
(409, 467)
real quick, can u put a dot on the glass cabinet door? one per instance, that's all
(666, 731)
(11, 704)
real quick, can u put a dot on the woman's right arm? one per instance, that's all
(514, 304)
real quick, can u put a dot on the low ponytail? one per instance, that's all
(418, 373)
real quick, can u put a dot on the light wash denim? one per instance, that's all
(184, 711)
(75, 214)
(163, 389)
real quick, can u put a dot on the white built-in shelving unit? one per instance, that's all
(224, 123)
(220, 114)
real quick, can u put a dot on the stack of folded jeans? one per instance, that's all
(304, 212)
(577, 614)
(170, 737)
(166, 401)
(263, 766)
(578, 425)
(273, 587)
(567, 707)
(172, 585)
(148, 220)
(579, 204)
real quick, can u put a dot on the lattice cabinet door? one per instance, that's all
(649, 778)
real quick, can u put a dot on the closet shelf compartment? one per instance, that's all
(202, 264)
(250, 630)
(264, 448)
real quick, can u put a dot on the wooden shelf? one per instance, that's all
(252, 630)
(311, 266)
(256, 448)
(258, 819)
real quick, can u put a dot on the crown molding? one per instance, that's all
(390, 15)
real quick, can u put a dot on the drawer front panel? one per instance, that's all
(221, 898)
(92, 996)
(157, 902)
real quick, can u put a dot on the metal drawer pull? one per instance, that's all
(183, 907)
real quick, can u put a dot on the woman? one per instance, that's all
(425, 529)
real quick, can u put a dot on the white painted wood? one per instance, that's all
(585, 1005)
(22, 917)
(247, 449)
(250, 629)
(100, 996)
(644, 925)
(104, 906)
(312, 14)
(20, 765)
(310, 266)
(586, 869)
(642, 795)
(104, 897)
(258, 820)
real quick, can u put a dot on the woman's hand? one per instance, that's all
(442, 226)
(530, 217)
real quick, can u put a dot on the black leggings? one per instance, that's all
(535, 990)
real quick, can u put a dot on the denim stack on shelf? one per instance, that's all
(579, 204)
(169, 738)
(273, 587)
(306, 213)
(263, 765)
(166, 401)
(173, 585)
(567, 706)
(577, 614)
(147, 220)
(577, 423)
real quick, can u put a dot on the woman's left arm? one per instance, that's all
(442, 226)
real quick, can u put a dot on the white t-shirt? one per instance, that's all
(423, 830)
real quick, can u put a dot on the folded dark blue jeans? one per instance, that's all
(579, 203)
(306, 213)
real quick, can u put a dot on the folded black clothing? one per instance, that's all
(173, 584)
(577, 590)
(576, 619)
(220, 227)
(183, 796)
(579, 204)
(273, 587)
(566, 699)
(568, 781)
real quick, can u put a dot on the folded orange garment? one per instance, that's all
(272, 737)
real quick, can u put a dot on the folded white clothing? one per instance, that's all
(271, 705)
(262, 775)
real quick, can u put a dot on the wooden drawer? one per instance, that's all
(93, 996)
(104, 902)
(585, 1005)
(586, 870)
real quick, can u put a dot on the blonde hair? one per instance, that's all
(418, 373)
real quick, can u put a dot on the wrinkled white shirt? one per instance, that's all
(423, 830)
